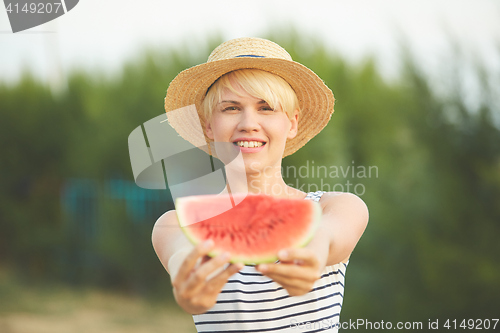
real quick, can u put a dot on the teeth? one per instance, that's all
(249, 144)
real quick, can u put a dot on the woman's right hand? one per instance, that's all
(200, 278)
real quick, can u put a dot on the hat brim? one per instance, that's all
(315, 98)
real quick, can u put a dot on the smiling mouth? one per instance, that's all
(249, 144)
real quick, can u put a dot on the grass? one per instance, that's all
(58, 309)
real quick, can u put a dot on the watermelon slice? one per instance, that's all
(252, 228)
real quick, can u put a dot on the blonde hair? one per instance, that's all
(257, 83)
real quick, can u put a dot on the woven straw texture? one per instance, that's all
(190, 86)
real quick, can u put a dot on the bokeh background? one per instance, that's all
(417, 85)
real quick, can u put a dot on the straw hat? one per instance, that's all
(188, 89)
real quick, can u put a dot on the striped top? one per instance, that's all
(251, 302)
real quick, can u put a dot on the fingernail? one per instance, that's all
(263, 268)
(225, 256)
(283, 254)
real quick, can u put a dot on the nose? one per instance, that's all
(249, 121)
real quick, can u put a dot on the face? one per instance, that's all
(253, 127)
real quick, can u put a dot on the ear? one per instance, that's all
(292, 133)
(208, 130)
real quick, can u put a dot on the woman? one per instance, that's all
(251, 94)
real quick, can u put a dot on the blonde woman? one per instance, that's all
(251, 94)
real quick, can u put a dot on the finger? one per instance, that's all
(212, 265)
(289, 281)
(292, 285)
(302, 256)
(191, 259)
(290, 271)
(220, 279)
(198, 278)
(296, 291)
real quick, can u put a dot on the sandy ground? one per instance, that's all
(61, 310)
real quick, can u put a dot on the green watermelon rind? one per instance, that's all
(317, 214)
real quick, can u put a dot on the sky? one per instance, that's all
(104, 34)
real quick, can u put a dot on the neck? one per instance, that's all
(259, 181)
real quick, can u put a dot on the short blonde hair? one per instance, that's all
(257, 83)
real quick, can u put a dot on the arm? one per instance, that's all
(196, 279)
(345, 217)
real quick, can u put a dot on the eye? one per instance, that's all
(266, 108)
(229, 108)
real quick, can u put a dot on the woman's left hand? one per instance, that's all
(297, 270)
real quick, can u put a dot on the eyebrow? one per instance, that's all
(236, 102)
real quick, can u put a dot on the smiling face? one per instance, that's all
(251, 124)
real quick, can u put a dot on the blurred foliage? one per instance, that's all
(430, 250)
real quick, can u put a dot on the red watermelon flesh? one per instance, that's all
(254, 229)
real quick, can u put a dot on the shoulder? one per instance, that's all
(345, 203)
(343, 198)
(168, 218)
(167, 223)
(167, 237)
